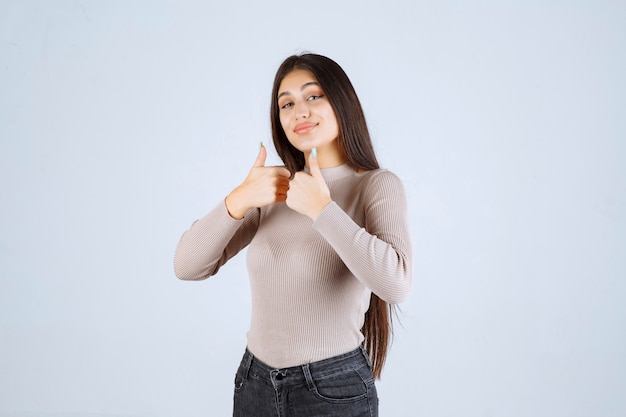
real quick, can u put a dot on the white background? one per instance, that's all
(123, 121)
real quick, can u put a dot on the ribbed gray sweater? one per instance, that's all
(311, 281)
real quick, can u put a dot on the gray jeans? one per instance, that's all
(340, 386)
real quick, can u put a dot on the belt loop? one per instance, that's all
(247, 364)
(308, 377)
(366, 356)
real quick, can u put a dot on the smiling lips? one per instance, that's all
(305, 127)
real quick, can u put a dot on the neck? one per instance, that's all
(325, 159)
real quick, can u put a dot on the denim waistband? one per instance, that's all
(303, 374)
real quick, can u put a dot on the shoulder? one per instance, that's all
(380, 178)
(381, 195)
(379, 184)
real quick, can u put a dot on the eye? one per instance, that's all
(286, 105)
(314, 97)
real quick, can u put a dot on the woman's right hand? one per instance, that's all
(263, 186)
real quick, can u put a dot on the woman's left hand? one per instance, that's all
(308, 193)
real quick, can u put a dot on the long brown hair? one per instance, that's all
(356, 145)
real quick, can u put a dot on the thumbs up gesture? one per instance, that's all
(263, 186)
(308, 193)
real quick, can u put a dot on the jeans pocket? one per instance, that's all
(239, 381)
(346, 387)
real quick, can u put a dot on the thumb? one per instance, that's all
(314, 166)
(260, 159)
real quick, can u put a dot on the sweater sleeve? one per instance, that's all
(378, 254)
(211, 241)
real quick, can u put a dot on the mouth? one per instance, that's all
(302, 128)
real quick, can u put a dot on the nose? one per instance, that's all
(302, 110)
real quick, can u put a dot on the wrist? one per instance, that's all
(320, 209)
(233, 206)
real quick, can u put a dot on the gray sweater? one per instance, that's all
(311, 281)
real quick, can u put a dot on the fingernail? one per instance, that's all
(314, 152)
(261, 145)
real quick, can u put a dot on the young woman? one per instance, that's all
(329, 253)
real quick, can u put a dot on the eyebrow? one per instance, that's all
(305, 85)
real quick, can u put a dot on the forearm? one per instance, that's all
(210, 242)
(382, 263)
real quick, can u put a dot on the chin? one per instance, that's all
(303, 147)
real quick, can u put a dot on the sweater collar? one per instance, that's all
(335, 173)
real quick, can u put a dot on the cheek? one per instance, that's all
(284, 122)
(335, 123)
(331, 117)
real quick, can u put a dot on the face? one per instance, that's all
(307, 117)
